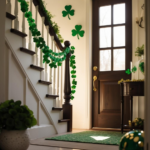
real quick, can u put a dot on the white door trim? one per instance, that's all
(147, 76)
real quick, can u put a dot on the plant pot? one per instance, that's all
(14, 140)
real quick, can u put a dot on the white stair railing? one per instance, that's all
(56, 76)
(46, 66)
(23, 30)
(36, 49)
(58, 84)
(8, 6)
(30, 35)
(16, 21)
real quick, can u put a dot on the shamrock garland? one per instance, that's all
(68, 11)
(52, 58)
(78, 31)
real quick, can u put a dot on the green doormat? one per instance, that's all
(95, 137)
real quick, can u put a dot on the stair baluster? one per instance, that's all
(16, 21)
(50, 72)
(36, 49)
(58, 75)
(61, 83)
(67, 107)
(46, 66)
(8, 6)
(41, 54)
(54, 75)
(30, 35)
(23, 30)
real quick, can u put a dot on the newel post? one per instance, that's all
(67, 107)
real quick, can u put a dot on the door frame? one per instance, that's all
(147, 74)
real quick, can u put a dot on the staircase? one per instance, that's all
(41, 88)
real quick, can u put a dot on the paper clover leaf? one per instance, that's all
(134, 69)
(68, 11)
(141, 66)
(78, 31)
(128, 71)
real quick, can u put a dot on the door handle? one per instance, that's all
(95, 68)
(94, 79)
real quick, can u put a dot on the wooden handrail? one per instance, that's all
(51, 30)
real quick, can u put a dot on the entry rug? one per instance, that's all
(94, 137)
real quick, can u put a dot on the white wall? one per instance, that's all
(138, 40)
(83, 48)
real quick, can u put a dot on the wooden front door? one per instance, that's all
(112, 54)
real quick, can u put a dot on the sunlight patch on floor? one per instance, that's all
(100, 138)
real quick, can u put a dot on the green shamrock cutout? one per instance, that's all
(68, 11)
(78, 31)
(128, 71)
(134, 69)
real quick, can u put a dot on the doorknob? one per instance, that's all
(95, 68)
(94, 79)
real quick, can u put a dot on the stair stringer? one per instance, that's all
(24, 60)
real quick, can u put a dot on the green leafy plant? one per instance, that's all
(14, 116)
(49, 16)
(139, 51)
(53, 59)
(77, 31)
(141, 66)
(68, 11)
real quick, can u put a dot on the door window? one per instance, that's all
(112, 37)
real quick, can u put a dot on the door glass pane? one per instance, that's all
(104, 15)
(105, 37)
(119, 36)
(105, 60)
(119, 59)
(119, 13)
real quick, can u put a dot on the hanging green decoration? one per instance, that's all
(128, 71)
(52, 58)
(68, 12)
(141, 66)
(134, 69)
(77, 31)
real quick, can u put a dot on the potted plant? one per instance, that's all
(14, 121)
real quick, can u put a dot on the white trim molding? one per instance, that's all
(89, 63)
(2, 51)
(147, 76)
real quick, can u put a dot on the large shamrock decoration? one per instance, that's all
(78, 31)
(68, 11)
(128, 71)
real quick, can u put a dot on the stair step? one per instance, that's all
(36, 67)
(63, 120)
(51, 96)
(18, 33)
(45, 82)
(57, 108)
(27, 51)
(10, 16)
